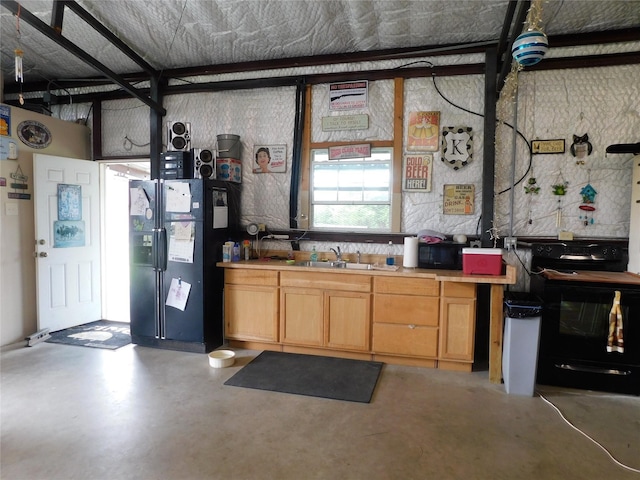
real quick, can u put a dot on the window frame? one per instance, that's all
(389, 162)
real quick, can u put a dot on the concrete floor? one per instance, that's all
(140, 413)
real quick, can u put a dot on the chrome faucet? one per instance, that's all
(337, 252)
(358, 253)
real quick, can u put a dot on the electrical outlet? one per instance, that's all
(475, 244)
(262, 227)
(510, 243)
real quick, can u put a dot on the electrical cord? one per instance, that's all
(617, 462)
(433, 77)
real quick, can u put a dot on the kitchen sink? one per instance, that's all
(309, 263)
(358, 266)
(334, 264)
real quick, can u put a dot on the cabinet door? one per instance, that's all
(347, 320)
(251, 312)
(457, 328)
(301, 316)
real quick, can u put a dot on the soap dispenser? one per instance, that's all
(314, 255)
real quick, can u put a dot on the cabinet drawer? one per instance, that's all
(406, 309)
(251, 277)
(403, 340)
(406, 286)
(326, 281)
(458, 290)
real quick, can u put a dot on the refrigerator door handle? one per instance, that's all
(160, 244)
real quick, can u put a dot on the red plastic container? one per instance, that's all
(482, 261)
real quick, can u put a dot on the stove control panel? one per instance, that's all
(577, 252)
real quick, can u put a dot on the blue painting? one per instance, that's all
(69, 202)
(68, 234)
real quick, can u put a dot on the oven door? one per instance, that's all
(574, 333)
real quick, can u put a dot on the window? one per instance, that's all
(351, 194)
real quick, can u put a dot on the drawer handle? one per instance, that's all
(412, 326)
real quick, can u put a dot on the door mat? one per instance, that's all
(312, 375)
(99, 334)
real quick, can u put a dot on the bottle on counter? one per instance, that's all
(235, 257)
(390, 259)
(246, 246)
(314, 255)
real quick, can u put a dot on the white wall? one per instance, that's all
(17, 238)
(556, 104)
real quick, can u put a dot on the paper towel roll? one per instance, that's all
(410, 259)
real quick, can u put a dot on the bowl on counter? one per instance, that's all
(222, 358)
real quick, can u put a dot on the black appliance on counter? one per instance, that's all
(444, 255)
(577, 282)
(176, 232)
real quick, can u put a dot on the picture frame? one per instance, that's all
(270, 158)
(69, 202)
(423, 131)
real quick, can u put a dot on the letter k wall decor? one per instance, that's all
(457, 146)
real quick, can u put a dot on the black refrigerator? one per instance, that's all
(176, 232)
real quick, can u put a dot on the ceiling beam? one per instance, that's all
(106, 33)
(505, 33)
(53, 35)
(521, 16)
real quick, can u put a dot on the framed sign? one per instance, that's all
(270, 158)
(547, 146)
(69, 202)
(423, 131)
(417, 171)
(348, 95)
(350, 151)
(458, 199)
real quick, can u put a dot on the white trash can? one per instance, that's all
(520, 345)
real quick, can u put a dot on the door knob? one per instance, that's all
(42, 254)
(42, 241)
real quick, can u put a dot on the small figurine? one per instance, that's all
(581, 147)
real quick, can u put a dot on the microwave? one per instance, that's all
(443, 255)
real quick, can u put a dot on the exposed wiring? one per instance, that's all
(128, 144)
(175, 33)
(433, 77)
(617, 462)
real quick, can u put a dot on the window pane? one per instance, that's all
(351, 193)
(352, 216)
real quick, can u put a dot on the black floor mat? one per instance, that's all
(99, 334)
(312, 375)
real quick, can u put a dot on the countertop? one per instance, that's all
(622, 278)
(437, 274)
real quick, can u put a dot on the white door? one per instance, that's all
(67, 217)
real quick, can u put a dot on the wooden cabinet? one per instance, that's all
(405, 316)
(251, 305)
(457, 325)
(325, 310)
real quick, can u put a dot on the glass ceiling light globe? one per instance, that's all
(530, 47)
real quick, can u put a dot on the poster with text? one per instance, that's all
(270, 158)
(417, 172)
(348, 95)
(458, 199)
(423, 132)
